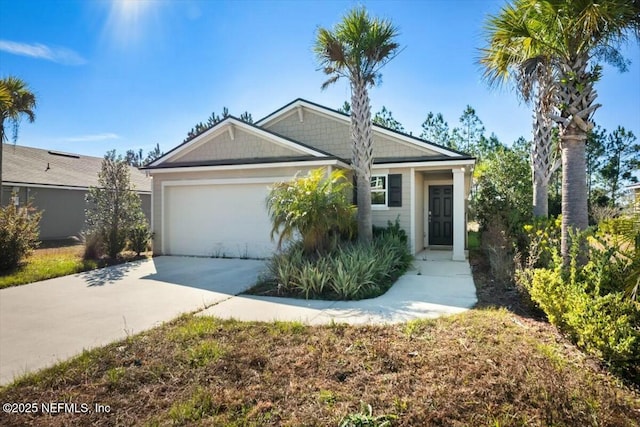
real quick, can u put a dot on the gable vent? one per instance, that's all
(61, 154)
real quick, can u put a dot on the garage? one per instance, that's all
(216, 220)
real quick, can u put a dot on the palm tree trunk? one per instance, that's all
(574, 187)
(577, 97)
(362, 155)
(544, 161)
(540, 198)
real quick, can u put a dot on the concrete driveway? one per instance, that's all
(45, 322)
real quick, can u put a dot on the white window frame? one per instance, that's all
(385, 191)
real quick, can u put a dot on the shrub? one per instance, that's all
(497, 245)
(139, 237)
(586, 303)
(392, 228)
(93, 245)
(19, 229)
(114, 207)
(312, 277)
(351, 271)
(503, 190)
(316, 207)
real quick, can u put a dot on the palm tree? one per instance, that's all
(537, 85)
(15, 100)
(575, 36)
(357, 48)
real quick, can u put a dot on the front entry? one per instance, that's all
(441, 215)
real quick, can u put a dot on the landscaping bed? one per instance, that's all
(351, 271)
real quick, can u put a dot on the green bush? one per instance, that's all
(351, 271)
(586, 303)
(316, 207)
(392, 228)
(113, 206)
(19, 229)
(139, 237)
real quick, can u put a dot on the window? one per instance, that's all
(379, 190)
(386, 191)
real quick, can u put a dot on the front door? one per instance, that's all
(440, 215)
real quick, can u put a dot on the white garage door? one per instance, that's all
(220, 220)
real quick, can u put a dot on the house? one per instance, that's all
(57, 184)
(635, 190)
(209, 193)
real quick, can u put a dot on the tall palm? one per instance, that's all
(575, 35)
(357, 48)
(537, 85)
(16, 100)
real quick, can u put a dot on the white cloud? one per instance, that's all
(92, 138)
(61, 55)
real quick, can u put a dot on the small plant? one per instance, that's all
(93, 245)
(312, 278)
(19, 229)
(327, 397)
(497, 245)
(204, 353)
(365, 418)
(139, 237)
(199, 405)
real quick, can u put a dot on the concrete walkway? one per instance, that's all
(49, 321)
(435, 286)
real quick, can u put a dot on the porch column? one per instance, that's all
(459, 226)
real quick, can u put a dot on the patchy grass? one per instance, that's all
(473, 240)
(50, 262)
(484, 367)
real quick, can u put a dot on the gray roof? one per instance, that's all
(28, 165)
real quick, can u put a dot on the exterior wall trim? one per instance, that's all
(57, 187)
(446, 164)
(331, 162)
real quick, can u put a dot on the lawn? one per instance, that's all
(50, 262)
(485, 367)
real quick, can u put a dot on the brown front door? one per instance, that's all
(441, 215)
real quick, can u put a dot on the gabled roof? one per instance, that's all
(231, 121)
(303, 103)
(47, 168)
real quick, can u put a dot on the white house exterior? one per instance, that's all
(208, 194)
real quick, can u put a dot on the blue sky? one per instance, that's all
(129, 74)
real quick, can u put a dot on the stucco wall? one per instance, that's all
(333, 136)
(244, 145)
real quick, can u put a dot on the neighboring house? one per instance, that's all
(635, 189)
(209, 193)
(57, 183)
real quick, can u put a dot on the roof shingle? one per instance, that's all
(28, 165)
